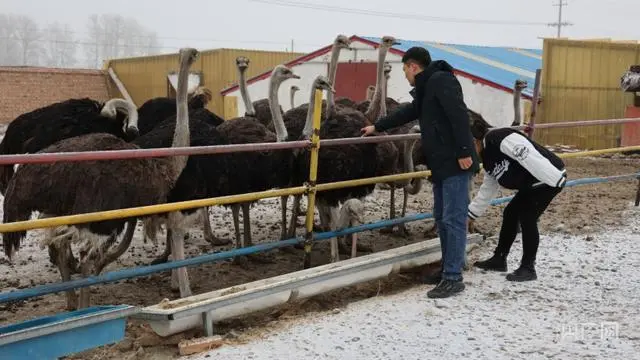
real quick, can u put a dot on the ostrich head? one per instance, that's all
(242, 62)
(342, 42)
(322, 83)
(204, 93)
(351, 214)
(520, 85)
(130, 126)
(386, 69)
(388, 41)
(281, 73)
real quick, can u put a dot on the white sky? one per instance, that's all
(207, 24)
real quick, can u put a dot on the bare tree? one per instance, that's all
(19, 40)
(9, 52)
(112, 36)
(28, 36)
(60, 45)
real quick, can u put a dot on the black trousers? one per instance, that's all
(525, 208)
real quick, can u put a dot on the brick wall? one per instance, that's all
(24, 89)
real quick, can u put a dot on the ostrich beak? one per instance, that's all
(397, 43)
(295, 76)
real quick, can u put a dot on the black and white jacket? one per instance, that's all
(511, 160)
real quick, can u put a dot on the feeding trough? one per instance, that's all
(51, 337)
(171, 317)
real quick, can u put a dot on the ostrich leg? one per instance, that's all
(402, 228)
(122, 247)
(392, 209)
(177, 253)
(257, 257)
(64, 253)
(208, 232)
(283, 220)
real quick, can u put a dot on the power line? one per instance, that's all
(338, 9)
(560, 23)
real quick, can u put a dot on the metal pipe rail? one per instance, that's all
(140, 271)
(38, 158)
(222, 200)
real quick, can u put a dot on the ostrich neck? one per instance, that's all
(516, 106)
(244, 93)
(274, 107)
(373, 112)
(292, 96)
(383, 97)
(414, 185)
(308, 125)
(181, 136)
(333, 69)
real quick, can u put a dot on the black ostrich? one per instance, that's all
(221, 174)
(66, 188)
(37, 129)
(33, 131)
(153, 111)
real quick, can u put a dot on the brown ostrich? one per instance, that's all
(66, 188)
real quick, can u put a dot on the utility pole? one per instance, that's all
(560, 23)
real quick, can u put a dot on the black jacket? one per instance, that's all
(439, 106)
(512, 160)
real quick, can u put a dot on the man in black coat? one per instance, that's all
(447, 143)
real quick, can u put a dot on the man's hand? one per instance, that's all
(465, 163)
(368, 130)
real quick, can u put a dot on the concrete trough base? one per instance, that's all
(171, 317)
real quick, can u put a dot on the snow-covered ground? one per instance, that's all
(584, 305)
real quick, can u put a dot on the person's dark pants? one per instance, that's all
(450, 204)
(525, 207)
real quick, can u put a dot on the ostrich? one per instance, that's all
(370, 90)
(385, 152)
(268, 169)
(260, 109)
(517, 91)
(352, 210)
(240, 172)
(337, 163)
(351, 214)
(37, 129)
(226, 174)
(67, 188)
(295, 120)
(292, 95)
(153, 111)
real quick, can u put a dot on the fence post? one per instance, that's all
(313, 172)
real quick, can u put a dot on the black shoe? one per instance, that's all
(432, 279)
(445, 289)
(523, 274)
(495, 263)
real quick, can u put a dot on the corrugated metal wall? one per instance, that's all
(146, 77)
(581, 81)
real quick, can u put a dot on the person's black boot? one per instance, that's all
(523, 273)
(497, 262)
(432, 279)
(445, 289)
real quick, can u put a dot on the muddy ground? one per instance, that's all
(577, 210)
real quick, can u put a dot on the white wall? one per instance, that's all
(495, 105)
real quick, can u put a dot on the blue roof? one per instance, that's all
(500, 65)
